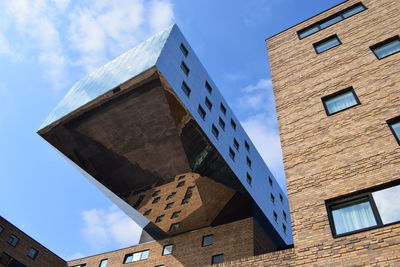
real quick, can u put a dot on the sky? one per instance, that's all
(48, 45)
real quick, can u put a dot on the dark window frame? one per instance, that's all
(169, 205)
(156, 200)
(35, 255)
(201, 112)
(131, 254)
(217, 255)
(185, 68)
(365, 193)
(16, 238)
(390, 123)
(184, 50)
(236, 144)
(164, 247)
(232, 154)
(160, 218)
(147, 212)
(186, 89)
(273, 200)
(176, 214)
(1, 229)
(334, 36)
(208, 103)
(397, 37)
(172, 195)
(233, 124)
(270, 181)
(101, 261)
(248, 162)
(221, 123)
(247, 146)
(173, 228)
(340, 92)
(208, 87)
(180, 184)
(249, 179)
(222, 108)
(215, 131)
(204, 238)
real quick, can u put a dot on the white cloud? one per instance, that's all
(161, 14)
(262, 84)
(101, 227)
(74, 256)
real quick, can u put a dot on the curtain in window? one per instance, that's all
(340, 102)
(355, 215)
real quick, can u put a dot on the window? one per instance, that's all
(223, 108)
(344, 14)
(326, 44)
(80, 265)
(246, 145)
(185, 200)
(394, 125)
(340, 101)
(1, 228)
(207, 240)
(157, 199)
(13, 240)
(160, 218)
(386, 48)
(172, 195)
(185, 68)
(284, 215)
(147, 212)
(272, 198)
(32, 253)
(248, 178)
(169, 205)
(221, 123)
(363, 211)
(231, 154)
(215, 131)
(189, 192)
(217, 259)
(103, 263)
(270, 181)
(138, 201)
(174, 227)
(176, 214)
(236, 144)
(137, 256)
(184, 50)
(167, 250)
(7, 260)
(208, 87)
(284, 228)
(186, 89)
(156, 193)
(180, 184)
(201, 112)
(248, 161)
(208, 103)
(275, 217)
(281, 197)
(233, 124)
(181, 177)
(162, 265)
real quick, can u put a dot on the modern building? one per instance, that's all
(17, 249)
(152, 132)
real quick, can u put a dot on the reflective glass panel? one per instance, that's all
(352, 11)
(340, 102)
(136, 256)
(331, 21)
(388, 204)
(352, 216)
(145, 254)
(396, 128)
(217, 259)
(327, 44)
(103, 263)
(387, 48)
(308, 31)
(128, 258)
(208, 240)
(167, 249)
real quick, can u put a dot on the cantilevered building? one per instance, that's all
(152, 132)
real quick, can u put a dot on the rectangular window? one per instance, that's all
(156, 193)
(284, 215)
(184, 50)
(169, 205)
(160, 218)
(215, 131)
(281, 197)
(221, 123)
(246, 145)
(270, 181)
(157, 199)
(172, 195)
(180, 184)
(339, 16)
(326, 44)
(394, 125)
(236, 144)
(176, 214)
(201, 112)
(272, 198)
(275, 217)
(248, 178)
(185, 201)
(386, 48)
(181, 177)
(233, 124)
(137, 256)
(284, 228)
(340, 101)
(147, 212)
(174, 227)
(32, 253)
(208, 103)
(231, 154)
(217, 259)
(208, 87)
(103, 263)
(370, 209)
(248, 161)
(185, 88)
(167, 250)
(207, 240)
(1, 229)
(223, 109)
(185, 68)
(13, 240)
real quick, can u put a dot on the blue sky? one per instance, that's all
(47, 45)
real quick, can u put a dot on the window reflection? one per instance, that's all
(388, 203)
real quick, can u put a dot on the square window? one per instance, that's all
(207, 240)
(217, 259)
(167, 250)
(248, 161)
(174, 227)
(185, 200)
(248, 178)
(272, 198)
(13, 240)
(103, 263)
(270, 181)
(176, 214)
(185, 68)
(172, 195)
(169, 205)
(147, 212)
(340, 101)
(394, 125)
(185, 88)
(32, 253)
(246, 145)
(160, 218)
(275, 217)
(201, 112)
(214, 131)
(221, 123)
(236, 144)
(155, 200)
(208, 87)
(156, 193)
(180, 184)
(326, 44)
(233, 124)
(386, 48)
(208, 103)
(231, 154)
(223, 109)
(184, 50)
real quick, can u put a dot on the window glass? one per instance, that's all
(128, 258)
(184, 50)
(248, 178)
(103, 263)
(185, 89)
(208, 87)
(136, 256)
(353, 215)
(330, 21)
(201, 112)
(395, 126)
(144, 254)
(167, 249)
(326, 44)
(13, 240)
(1, 228)
(350, 12)
(308, 31)
(32, 253)
(340, 102)
(217, 259)
(208, 240)
(388, 204)
(215, 131)
(231, 154)
(387, 48)
(185, 68)
(221, 123)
